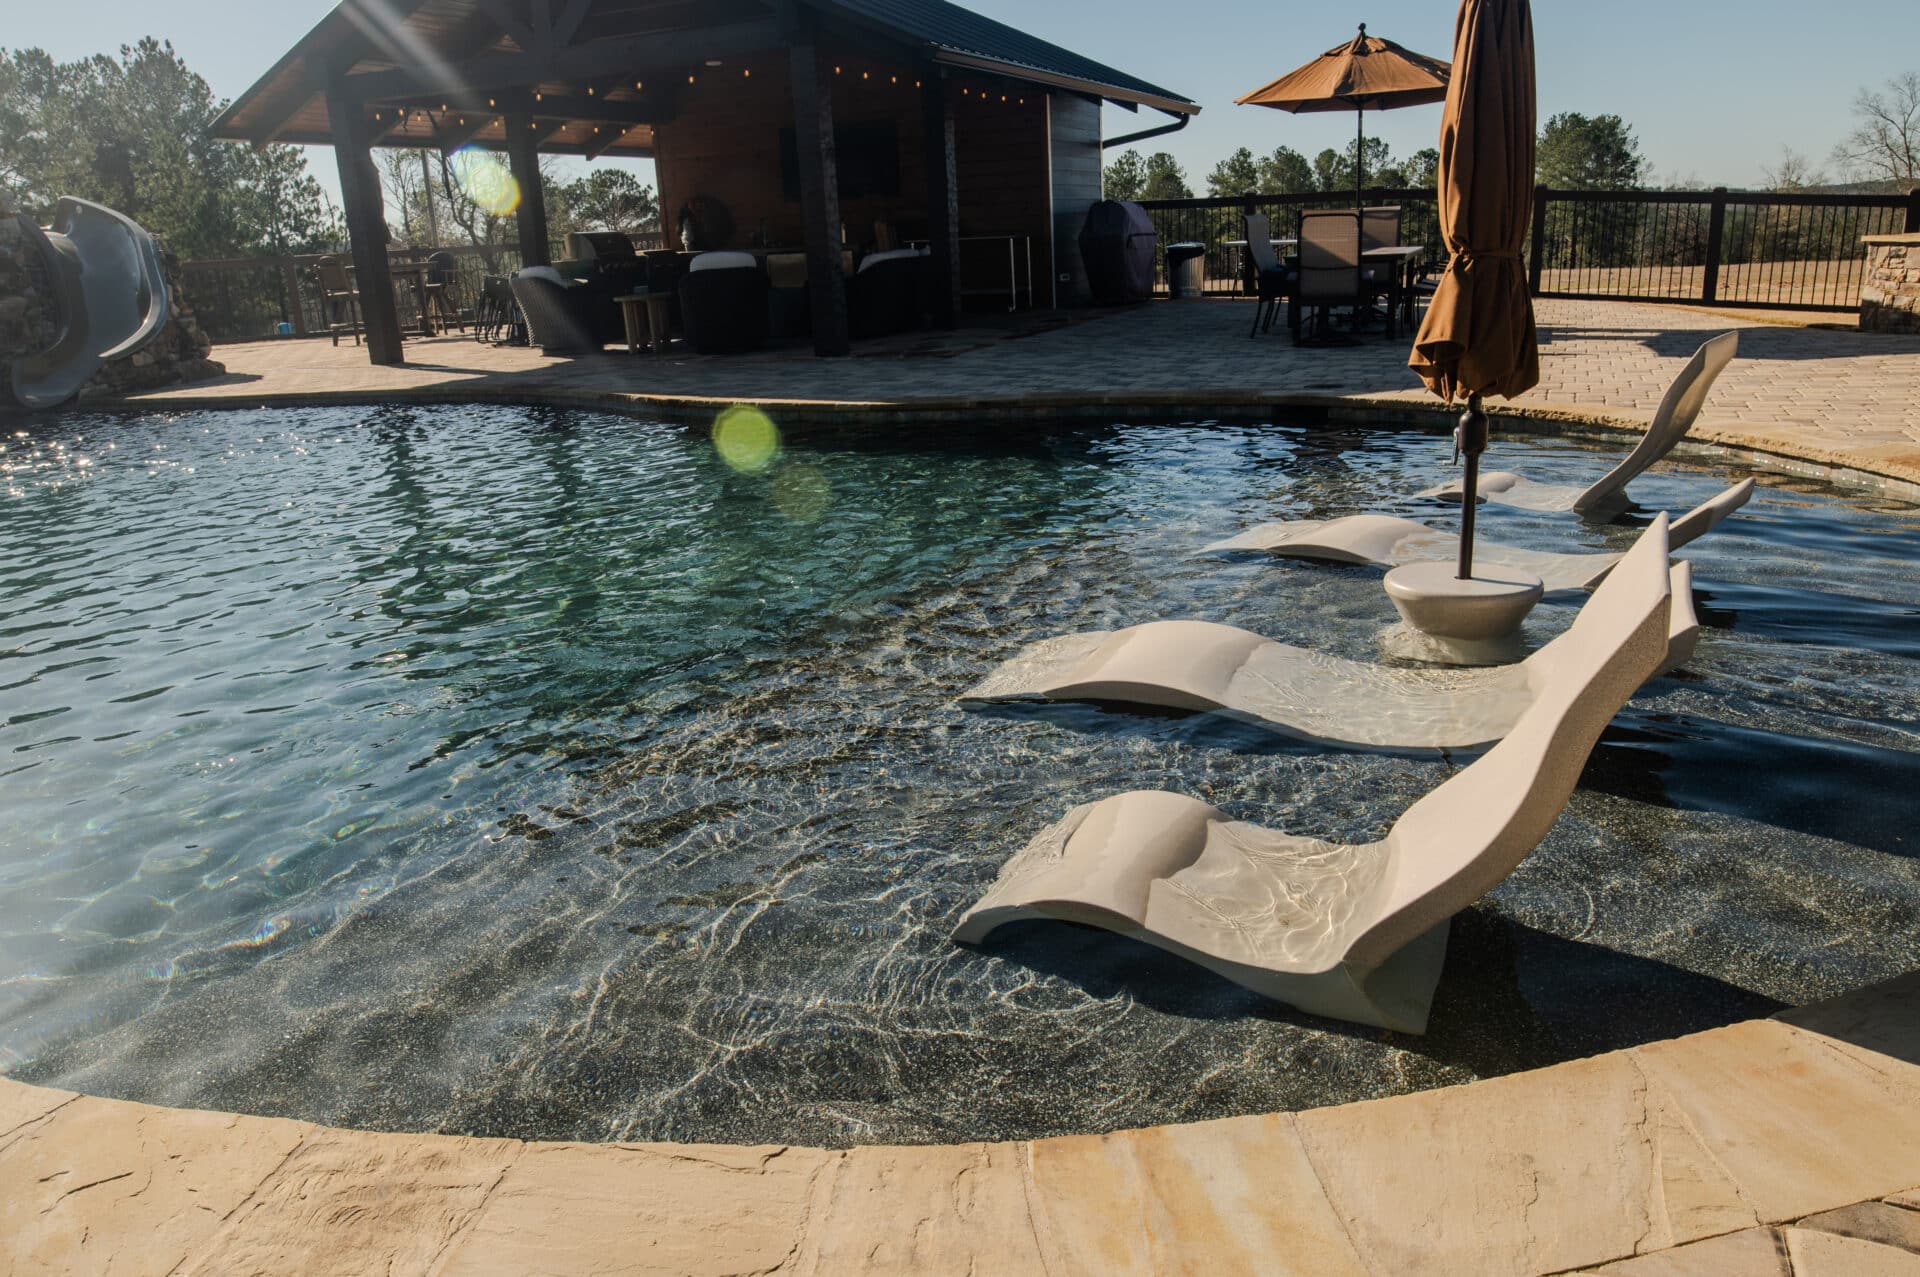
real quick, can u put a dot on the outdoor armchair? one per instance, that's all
(884, 296)
(564, 317)
(723, 303)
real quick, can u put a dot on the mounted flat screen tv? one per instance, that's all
(867, 155)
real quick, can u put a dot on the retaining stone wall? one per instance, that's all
(1890, 295)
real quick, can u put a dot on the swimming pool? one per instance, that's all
(535, 772)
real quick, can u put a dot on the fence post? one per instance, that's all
(1716, 234)
(1913, 212)
(290, 280)
(1537, 267)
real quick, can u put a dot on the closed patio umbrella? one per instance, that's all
(1366, 73)
(1478, 337)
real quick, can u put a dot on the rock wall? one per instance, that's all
(1890, 294)
(29, 322)
(26, 321)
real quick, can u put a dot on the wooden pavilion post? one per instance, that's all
(943, 195)
(819, 197)
(523, 159)
(366, 226)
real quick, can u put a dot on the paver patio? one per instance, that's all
(1823, 396)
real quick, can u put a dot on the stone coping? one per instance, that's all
(1797, 1136)
(1909, 237)
(1895, 471)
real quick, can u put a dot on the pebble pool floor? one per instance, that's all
(533, 772)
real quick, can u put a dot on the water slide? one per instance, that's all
(112, 296)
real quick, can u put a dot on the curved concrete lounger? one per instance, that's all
(113, 299)
(1199, 665)
(1678, 410)
(1388, 542)
(1355, 932)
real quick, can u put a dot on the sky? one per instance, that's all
(1715, 90)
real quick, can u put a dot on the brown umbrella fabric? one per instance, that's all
(1478, 336)
(1364, 73)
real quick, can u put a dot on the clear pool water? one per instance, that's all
(533, 773)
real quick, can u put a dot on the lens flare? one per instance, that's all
(746, 439)
(802, 492)
(486, 181)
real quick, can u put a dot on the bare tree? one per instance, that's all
(1794, 172)
(1885, 145)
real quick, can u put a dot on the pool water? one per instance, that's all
(538, 773)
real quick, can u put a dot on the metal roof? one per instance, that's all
(976, 39)
(369, 37)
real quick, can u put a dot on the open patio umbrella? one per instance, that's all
(1478, 337)
(1366, 73)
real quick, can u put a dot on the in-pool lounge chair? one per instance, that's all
(1357, 932)
(1387, 541)
(1677, 412)
(1198, 665)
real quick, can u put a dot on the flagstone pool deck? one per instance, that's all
(1788, 1147)
(1807, 397)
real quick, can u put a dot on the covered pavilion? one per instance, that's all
(802, 117)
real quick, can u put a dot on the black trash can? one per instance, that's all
(1187, 270)
(1117, 246)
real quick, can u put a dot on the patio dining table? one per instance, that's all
(414, 271)
(1403, 260)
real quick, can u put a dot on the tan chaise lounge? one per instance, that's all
(1328, 700)
(1388, 542)
(1677, 412)
(1354, 932)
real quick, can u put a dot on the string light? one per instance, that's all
(490, 102)
(689, 79)
(538, 96)
(640, 84)
(746, 73)
(589, 90)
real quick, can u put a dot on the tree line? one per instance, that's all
(1574, 152)
(135, 132)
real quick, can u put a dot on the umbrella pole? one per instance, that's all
(1360, 159)
(1471, 438)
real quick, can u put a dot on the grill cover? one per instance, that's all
(1117, 244)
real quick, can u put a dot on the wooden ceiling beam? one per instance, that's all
(365, 17)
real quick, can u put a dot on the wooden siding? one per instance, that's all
(725, 143)
(1076, 185)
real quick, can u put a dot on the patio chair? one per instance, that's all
(1297, 692)
(1329, 273)
(340, 297)
(1270, 278)
(1380, 228)
(495, 316)
(1678, 410)
(1387, 542)
(443, 282)
(723, 303)
(1353, 931)
(563, 316)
